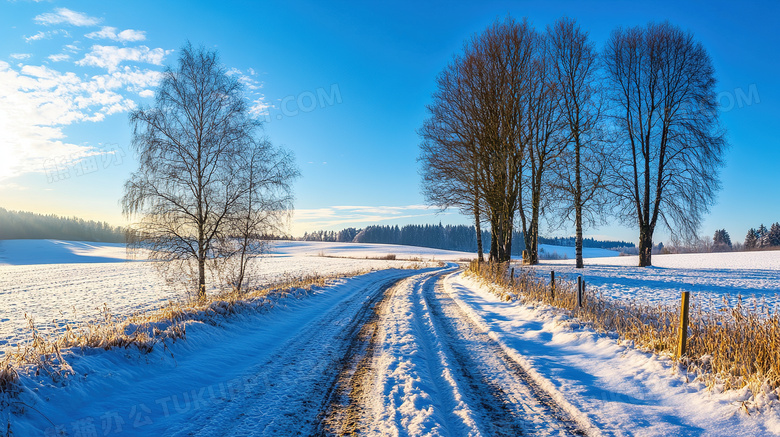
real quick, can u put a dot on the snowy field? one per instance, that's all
(710, 277)
(447, 358)
(63, 281)
(569, 253)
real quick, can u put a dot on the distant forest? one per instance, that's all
(28, 225)
(449, 237)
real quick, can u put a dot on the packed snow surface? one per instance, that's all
(710, 277)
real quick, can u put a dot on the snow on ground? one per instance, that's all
(361, 250)
(27, 252)
(710, 277)
(614, 388)
(549, 251)
(57, 282)
(268, 373)
(436, 374)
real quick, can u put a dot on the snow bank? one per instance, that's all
(617, 389)
(34, 252)
(362, 250)
(56, 294)
(223, 374)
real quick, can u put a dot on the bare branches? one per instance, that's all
(670, 143)
(580, 172)
(472, 151)
(518, 124)
(202, 170)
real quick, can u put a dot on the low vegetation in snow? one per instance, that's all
(731, 348)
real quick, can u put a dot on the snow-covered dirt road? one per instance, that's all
(428, 371)
(386, 353)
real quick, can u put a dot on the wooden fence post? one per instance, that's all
(579, 291)
(683, 334)
(552, 283)
(583, 290)
(512, 277)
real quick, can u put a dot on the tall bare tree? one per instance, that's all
(580, 174)
(472, 153)
(450, 164)
(665, 112)
(546, 142)
(191, 188)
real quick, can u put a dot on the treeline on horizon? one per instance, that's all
(28, 225)
(447, 237)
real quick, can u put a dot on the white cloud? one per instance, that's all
(109, 57)
(46, 35)
(37, 102)
(249, 80)
(105, 32)
(127, 35)
(146, 93)
(73, 48)
(38, 36)
(259, 106)
(59, 57)
(66, 16)
(21, 56)
(131, 35)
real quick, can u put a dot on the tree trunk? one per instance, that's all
(493, 243)
(478, 229)
(645, 246)
(508, 244)
(533, 238)
(532, 246)
(202, 277)
(578, 240)
(201, 259)
(578, 206)
(496, 236)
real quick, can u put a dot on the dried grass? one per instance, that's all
(736, 347)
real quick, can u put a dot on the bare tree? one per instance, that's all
(266, 173)
(191, 188)
(471, 153)
(449, 156)
(670, 144)
(546, 139)
(580, 173)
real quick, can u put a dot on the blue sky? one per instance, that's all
(342, 84)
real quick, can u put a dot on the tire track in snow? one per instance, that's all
(415, 392)
(511, 401)
(347, 397)
(437, 374)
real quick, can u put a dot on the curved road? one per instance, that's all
(398, 357)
